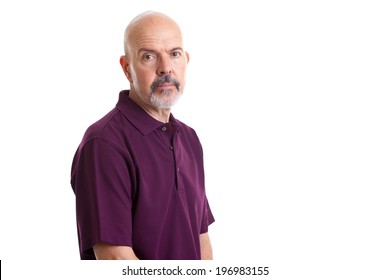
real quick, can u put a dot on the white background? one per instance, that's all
(291, 102)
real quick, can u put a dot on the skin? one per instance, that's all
(154, 50)
(206, 251)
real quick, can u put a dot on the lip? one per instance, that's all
(165, 85)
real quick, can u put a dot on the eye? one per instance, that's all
(176, 54)
(148, 57)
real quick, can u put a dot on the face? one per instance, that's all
(157, 63)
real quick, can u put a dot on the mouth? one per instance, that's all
(165, 85)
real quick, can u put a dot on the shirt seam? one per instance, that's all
(99, 136)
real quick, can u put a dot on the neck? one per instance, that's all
(161, 115)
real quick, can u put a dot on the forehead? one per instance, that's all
(155, 34)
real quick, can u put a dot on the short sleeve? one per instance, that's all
(101, 182)
(207, 218)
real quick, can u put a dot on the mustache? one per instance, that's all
(164, 79)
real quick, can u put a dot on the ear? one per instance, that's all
(126, 67)
(187, 57)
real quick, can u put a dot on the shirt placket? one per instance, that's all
(174, 147)
(176, 157)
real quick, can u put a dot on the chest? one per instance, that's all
(167, 162)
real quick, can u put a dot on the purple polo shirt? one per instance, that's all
(140, 183)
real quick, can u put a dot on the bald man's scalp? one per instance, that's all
(148, 18)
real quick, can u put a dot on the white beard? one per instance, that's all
(164, 100)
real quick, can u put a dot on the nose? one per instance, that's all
(164, 66)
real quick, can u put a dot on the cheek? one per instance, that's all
(141, 78)
(182, 74)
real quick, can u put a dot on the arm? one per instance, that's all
(206, 252)
(105, 251)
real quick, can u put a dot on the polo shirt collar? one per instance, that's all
(137, 116)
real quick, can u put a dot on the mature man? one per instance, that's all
(138, 173)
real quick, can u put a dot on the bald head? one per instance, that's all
(155, 62)
(146, 22)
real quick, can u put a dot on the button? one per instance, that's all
(164, 128)
(178, 170)
(171, 148)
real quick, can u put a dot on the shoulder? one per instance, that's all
(96, 129)
(189, 135)
(106, 128)
(186, 129)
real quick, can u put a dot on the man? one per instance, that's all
(138, 173)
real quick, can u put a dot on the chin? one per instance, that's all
(164, 103)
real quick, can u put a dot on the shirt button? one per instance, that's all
(171, 148)
(164, 128)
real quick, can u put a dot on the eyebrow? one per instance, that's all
(152, 51)
(177, 49)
